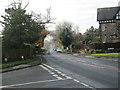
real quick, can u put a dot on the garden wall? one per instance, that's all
(16, 54)
(104, 46)
(115, 47)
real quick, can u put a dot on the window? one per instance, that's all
(118, 15)
(103, 27)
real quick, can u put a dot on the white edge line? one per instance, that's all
(84, 84)
(76, 80)
(31, 83)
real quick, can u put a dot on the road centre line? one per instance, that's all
(7, 86)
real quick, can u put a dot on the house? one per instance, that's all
(109, 24)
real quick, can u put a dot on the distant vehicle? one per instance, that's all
(55, 49)
(48, 52)
(59, 51)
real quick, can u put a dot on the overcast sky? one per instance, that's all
(82, 13)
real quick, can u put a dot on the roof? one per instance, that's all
(105, 14)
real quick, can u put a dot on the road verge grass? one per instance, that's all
(15, 63)
(113, 55)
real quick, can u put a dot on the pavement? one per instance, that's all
(39, 60)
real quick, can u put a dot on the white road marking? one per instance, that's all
(92, 88)
(31, 83)
(44, 67)
(59, 78)
(56, 70)
(84, 84)
(49, 66)
(76, 80)
(63, 74)
(52, 73)
(66, 77)
(55, 75)
(59, 72)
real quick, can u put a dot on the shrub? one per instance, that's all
(82, 51)
(117, 50)
(90, 51)
(99, 51)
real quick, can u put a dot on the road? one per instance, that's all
(60, 70)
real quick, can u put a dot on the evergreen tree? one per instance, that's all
(19, 28)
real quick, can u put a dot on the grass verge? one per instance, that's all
(15, 63)
(117, 55)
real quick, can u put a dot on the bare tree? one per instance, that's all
(43, 19)
(18, 4)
